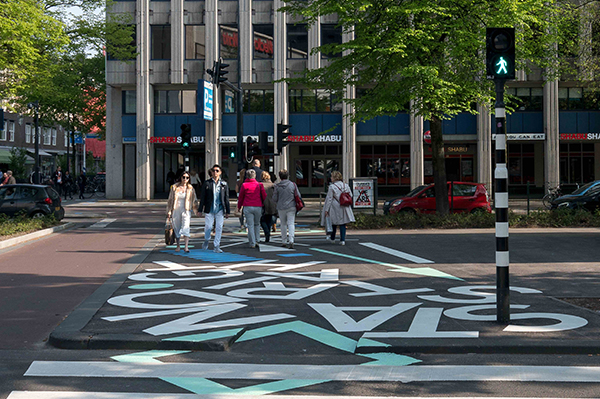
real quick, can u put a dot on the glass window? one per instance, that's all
(195, 46)
(308, 101)
(297, 41)
(330, 34)
(263, 41)
(269, 101)
(27, 193)
(229, 41)
(563, 98)
(129, 106)
(47, 136)
(254, 101)
(160, 102)
(3, 132)
(175, 101)
(537, 99)
(28, 133)
(132, 46)
(161, 42)
(323, 101)
(11, 131)
(54, 133)
(575, 98)
(302, 173)
(188, 101)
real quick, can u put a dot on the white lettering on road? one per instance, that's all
(396, 253)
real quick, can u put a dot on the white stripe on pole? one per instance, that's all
(501, 200)
(501, 229)
(500, 112)
(501, 172)
(502, 259)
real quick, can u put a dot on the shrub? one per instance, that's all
(21, 224)
(479, 220)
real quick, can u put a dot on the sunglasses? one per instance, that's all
(217, 170)
(185, 177)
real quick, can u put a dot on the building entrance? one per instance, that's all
(171, 159)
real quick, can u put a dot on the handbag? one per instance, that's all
(169, 233)
(345, 198)
(299, 202)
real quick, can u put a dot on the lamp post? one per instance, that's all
(36, 175)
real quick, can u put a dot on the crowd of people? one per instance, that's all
(260, 203)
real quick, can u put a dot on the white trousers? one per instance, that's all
(209, 221)
(288, 219)
(253, 214)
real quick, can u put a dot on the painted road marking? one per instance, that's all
(396, 253)
(102, 224)
(404, 374)
(422, 271)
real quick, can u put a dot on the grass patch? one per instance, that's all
(22, 224)
(479, 220)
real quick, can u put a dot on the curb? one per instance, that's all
(35, 235)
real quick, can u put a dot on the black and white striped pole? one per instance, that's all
(501, 207)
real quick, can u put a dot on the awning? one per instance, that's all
(42, 152)
(5, 157)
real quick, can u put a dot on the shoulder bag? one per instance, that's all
(345, 198)
(299, 202)
(169, 233)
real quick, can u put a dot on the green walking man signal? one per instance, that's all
(186, 136)
(500, 53)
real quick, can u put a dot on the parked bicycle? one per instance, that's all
(95, 187)
(552, 194)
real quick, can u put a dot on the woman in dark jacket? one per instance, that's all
(269, 207)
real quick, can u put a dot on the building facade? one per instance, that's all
(554, 137)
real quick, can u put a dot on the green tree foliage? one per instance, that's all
(430, 54)
(16, 162)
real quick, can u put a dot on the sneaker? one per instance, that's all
(284, 245)
(205, 245)
(257, 247)
(342, 243)
(242, 230)
(218, 250)
(328, 238)
(291, 245)
(252, 246)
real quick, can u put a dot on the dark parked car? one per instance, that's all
(465, 197)
(34, 200)
(585, 197)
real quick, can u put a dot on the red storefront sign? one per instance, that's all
(580, 136)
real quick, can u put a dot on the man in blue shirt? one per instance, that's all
(214, 202)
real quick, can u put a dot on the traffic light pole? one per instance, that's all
(501, 207)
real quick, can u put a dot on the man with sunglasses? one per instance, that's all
(214, 202)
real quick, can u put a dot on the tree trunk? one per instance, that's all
(439, 167)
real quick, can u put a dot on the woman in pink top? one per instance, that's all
(252, 196)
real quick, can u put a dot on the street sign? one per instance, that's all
(229, 108)
(427, 137)
(208, 101)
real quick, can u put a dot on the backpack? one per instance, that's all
(345, 199)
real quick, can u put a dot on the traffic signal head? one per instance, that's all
(500, 53)
(263, 141)
(219, 72)
(252, 148)
(232, 152)
(186, 135)
(282, 135)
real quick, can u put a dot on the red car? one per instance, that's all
(465, 197)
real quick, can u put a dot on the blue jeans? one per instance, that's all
(342, 232)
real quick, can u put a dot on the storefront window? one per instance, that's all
(576, 163)
(390, 164)
(301, 173)
(521, 165)
(263, 41)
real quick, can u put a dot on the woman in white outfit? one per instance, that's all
(340, 215)
(182, 201)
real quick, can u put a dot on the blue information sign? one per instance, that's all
(208, 100)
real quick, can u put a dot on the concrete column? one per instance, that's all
(280, 88)
(484, 146)
(114, 143)
(213, 128)
(417, 168)
(143, 110)
(551, 128)
(177, 42)
(245, 41)
(348, 127)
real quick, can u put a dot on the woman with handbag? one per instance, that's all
(337, 206)
(269, 206)
(182, 201)
(286, 195)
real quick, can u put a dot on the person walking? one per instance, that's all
(181, 203)
(214, 203)
(257, 169)
(81, 182)
(340, 214)
(58, 180)
(252, 196)
(195, 181)
(238, 186)
(68, 185)
(284, 196)
(269, 207)
(8, 178)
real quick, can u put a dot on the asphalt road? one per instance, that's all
(42, 282)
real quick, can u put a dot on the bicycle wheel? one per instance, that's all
(88, 191)
(546, 201)
(101, 191)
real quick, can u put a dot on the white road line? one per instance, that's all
(123, 395)
(102, 224)
(396, 253)
(402, 374)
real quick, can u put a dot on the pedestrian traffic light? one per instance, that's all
(263, 142)
(232, 152)
(500, 53)
(186, 135)
(282, 136)
(219, 72)
(252, 148)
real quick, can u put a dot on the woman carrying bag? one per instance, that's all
(337, 207)
(182, 201)
(269, 207)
